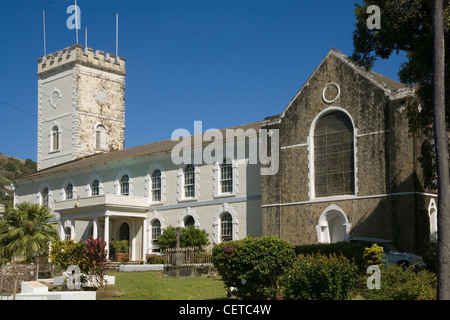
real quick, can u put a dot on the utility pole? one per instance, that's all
(441, 144)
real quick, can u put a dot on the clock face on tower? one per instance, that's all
(55, 98)
(101, 96)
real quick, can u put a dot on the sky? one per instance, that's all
(222, 62)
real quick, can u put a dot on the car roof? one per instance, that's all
(369, 239)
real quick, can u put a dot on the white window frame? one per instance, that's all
(52, 135)
(105, 135)
(155, 215)
(89, 185)
(217, 222)
(117, 183)
(217, 179)
(149, 184)
(311, 153)
(189, 212)
(74, 190)
(181, 186)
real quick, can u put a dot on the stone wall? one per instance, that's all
(387, 201)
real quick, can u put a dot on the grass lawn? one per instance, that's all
(153, 285)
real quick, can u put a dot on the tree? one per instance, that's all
(440, 134)
(28, 233)
(410, 26)
(190, 237)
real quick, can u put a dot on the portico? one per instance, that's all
(110, 217)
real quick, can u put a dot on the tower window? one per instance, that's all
(55, 139)
(100, 138)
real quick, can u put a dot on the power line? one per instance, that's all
(19, 109)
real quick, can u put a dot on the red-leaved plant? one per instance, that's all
(97, 257)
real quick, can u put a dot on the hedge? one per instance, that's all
(253, 266)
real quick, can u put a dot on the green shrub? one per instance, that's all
(319, 277)
(155, 259)
(120, 246)
(351, 250)
(398, 283)
(374, 256)
(66, 253)
(253, 266)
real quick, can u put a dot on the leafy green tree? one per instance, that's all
(190, 237)
(420, 28)
(407, 26)
(28, 233)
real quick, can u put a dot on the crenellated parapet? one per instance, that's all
(77, 54)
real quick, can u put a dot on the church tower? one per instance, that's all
(81, 105)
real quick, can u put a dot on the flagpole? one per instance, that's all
(76, 20)
(117, 37)
(43, 20)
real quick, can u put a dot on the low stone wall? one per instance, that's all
(189, 271)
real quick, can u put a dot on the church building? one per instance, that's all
(346, 164)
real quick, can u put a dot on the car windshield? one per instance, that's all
(387, 247)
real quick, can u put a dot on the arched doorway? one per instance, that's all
(333, 226)
(124, 232)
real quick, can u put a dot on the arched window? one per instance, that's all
(226, 227)
(67, 233)
(156, 186)
(69, 192)
(45, 194)
(100, 137)
(55, 139)
(95, 188)
(156, 231)
(125, 185)
(189, 181)
(334, 155)
(226, 177)
(189, 222)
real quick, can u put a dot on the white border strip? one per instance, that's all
(334, 199)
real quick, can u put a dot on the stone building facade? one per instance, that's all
(348, 165)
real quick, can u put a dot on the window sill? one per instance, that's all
(188, 200)
(224, 195)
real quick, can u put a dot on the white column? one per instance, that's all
(144, 238)
(62, 234)
(133, 239)
(107, 233)
(95, 228)
(72, 229)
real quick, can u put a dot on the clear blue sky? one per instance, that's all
(226, 62)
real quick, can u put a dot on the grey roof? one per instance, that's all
(139, 151)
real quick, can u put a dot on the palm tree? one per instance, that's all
(28, 232)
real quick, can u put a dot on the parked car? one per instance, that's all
(393, 256)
